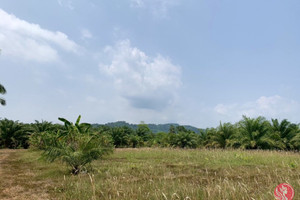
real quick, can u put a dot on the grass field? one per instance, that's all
(154, 174)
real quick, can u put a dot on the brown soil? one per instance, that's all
(16, 179)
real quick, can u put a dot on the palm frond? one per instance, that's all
(2, 102)
(2, 89)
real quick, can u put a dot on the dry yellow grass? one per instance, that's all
(18, 180)
(169, 174)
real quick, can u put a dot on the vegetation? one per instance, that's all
(248, 133)
(177, 171)
(2, 91)
(254, 134)
(13, 134)
(284, 132)
(75, 145)
(222, 136)
(155, 173)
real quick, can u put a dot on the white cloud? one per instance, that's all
(223, 109)
(270, 107)
(66, 3)
(86, 34)
(138, 3)
(146, 82)
(21, 39)
(158, 8)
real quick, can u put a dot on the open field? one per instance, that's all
(152, 174)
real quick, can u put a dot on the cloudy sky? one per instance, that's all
(186, 61)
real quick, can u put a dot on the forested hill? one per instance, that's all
(155, 128)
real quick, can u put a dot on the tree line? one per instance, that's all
(248, 133)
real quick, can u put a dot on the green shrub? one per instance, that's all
(76, 146)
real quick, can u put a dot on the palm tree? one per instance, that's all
(295, 141)
(253, 134)
(221, 137)
(2, 91)
(13, 134)
(42, 126)
(121, 135)
(204, 136)
(283, 132)
(77, 145)
(186, 139)
(42, 133)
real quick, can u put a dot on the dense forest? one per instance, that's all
(248, 133)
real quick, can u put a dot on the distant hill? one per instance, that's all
(155, 128)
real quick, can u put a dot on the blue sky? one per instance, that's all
(159, 61)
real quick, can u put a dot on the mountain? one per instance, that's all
(155, 128)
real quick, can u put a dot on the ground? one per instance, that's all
(152, 173)
(17, 179)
